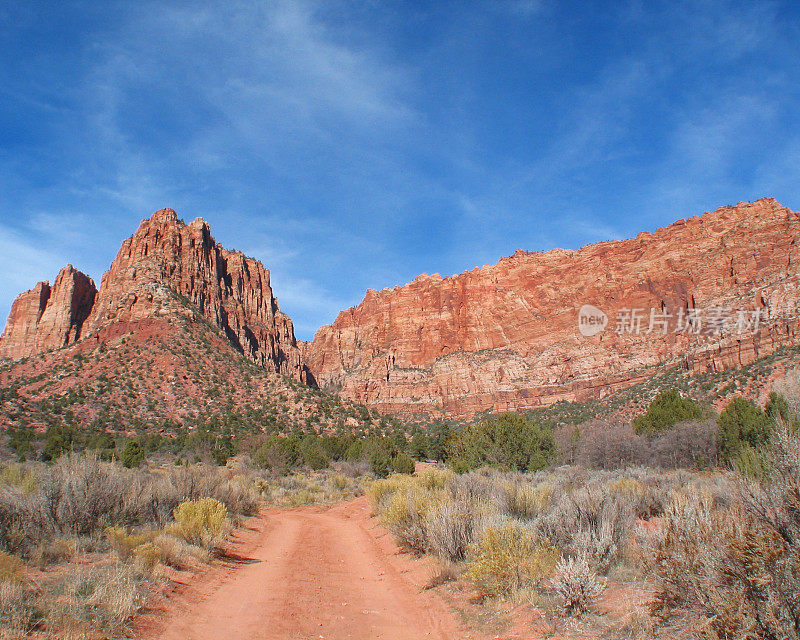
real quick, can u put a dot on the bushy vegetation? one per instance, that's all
(509, 558)
(667, 409)
(509, 441)
(700, 508)
(202, 523)
(555, 534)
(742, 425)
(719, 548)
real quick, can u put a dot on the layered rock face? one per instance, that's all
(165, 266)
(506, 337)
(48, 317)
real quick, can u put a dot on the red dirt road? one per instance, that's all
(314, 572)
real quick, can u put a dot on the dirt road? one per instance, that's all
(314, 572)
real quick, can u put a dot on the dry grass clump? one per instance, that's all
(175, 552)
(92, 601)
(10, 567)
(526, 500)
(124, 543)
(55, 551)
(451, 527)
(17, 610)
(428, 513)
(17, 613)
(510, 558)
(147, 555)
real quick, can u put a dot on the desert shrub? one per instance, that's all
(124, 543)
(55, 551)
(526, 500)
(76, 495)
(687, 445)
(58, 440)
(668, 408)
(451, 527)
(577, 584)
(355, 451)
(147, 555)
(788, 389)
(312, 454)
(16, 526)
(278, 454)
(509, 441)
(19, 477)
(509, 558)
(381, 491)
(609, 444)
(353, 469)
(406, 513)
(735, 572)
(689, 558)
(439, 436)
(380, 463)
(172, 550)
(240, 495)
(434, 478)
(201, 522)
(424, 515)
(777, 408)
(741, 424)
(175, 552)
(590, 521)
(10, 567)
(403, 463)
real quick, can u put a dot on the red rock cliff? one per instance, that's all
(506, 336)
(48, 317)
(166, 264)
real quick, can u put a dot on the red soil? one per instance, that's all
(311, 572)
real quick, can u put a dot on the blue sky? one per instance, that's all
(358, 144)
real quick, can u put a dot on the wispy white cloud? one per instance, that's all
(351, 153)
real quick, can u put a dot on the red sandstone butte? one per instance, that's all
(165, 265)
(505, 337)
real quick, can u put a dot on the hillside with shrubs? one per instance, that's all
(178, 388)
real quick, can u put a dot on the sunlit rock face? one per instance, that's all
(506, 336)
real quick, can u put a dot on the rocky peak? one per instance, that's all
(165, 267)
(164, 216)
